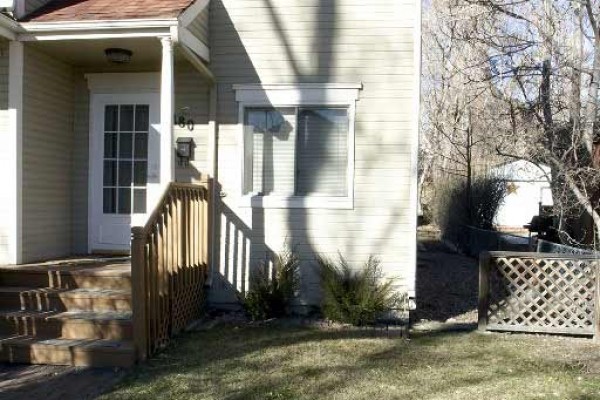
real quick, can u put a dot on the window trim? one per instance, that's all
(296, 96)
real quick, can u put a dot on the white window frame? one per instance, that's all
(295, 96)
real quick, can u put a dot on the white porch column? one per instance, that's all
(167, 110)
(11, 161)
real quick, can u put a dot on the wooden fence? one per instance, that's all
(169, 262)
(539, 292)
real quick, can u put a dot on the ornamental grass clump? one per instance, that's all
(273, 289)
(355, 296)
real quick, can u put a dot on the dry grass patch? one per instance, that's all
(292, 363)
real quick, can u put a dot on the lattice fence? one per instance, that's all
(538, 292)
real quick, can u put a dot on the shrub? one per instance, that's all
(270, 294)
(457, 206)
(355, 296)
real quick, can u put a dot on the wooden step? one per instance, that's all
(115, 276)
(67, 325)
(89, 353)
(48, 299)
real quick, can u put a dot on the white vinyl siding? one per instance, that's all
(47, 156)
(308, 42)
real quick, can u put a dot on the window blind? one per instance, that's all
(322, 153)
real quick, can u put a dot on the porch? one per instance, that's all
(112, 311)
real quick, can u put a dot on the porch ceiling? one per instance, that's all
(89, 54)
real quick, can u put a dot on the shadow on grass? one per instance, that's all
(285, 363)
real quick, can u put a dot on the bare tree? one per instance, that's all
(535, 67)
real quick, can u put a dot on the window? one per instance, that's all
(296, 151)
(298, 145)
(125, 158)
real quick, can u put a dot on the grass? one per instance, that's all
(301, 363)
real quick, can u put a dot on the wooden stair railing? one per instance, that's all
(169, 261)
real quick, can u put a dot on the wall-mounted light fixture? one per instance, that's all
(118, 56)
(185, 150)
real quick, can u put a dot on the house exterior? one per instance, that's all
(304, 111)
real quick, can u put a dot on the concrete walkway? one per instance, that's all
(47, 382)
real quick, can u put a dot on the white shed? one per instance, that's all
(528, 187)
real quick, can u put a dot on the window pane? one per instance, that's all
(142, 117)
(111, 118)
(322, 152)
(140, 173)
(110, 173)
(126, 122)
(139, 201)
(124, 201)
(141, 145)
(125, 173)
(110, 145)
(110, 201)
(269, 152)
(126, 145)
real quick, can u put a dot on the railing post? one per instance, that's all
(484, 290)
(210, 203)
(596, 302)
(138, 292)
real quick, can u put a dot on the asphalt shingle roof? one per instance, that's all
(90, 10)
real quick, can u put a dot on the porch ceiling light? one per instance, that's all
(118, 56)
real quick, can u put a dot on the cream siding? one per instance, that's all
(80, 171)
(47, 160)
(191, 101)
(315, 41)
(5, 156)
(200, 26)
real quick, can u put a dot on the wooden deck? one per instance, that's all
(74, 311)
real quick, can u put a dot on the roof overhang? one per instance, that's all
(176, 28)
(90, 30)
(8, 27)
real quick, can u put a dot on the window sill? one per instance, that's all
(331, 203)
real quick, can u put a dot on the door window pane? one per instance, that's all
(110, 173)
(139, 201)
(125, 145)
(125, 178)
(126, 120)
(124, 201)
(141, 145)
(110, 201)
(110, 145)
(125, 159)
(111, 118)
(142, 118)
(140, 173)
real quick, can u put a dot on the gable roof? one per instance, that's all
(89, 10)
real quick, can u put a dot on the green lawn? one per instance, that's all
(294, 363)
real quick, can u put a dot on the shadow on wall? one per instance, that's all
(249, 236)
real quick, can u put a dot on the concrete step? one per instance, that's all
(50, 299)
(89, 353)
(67, 325)
(115, 275)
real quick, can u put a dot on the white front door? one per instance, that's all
(124, 167)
